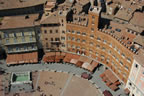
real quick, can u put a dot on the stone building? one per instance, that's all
(21, 7)
(136, 78)
(20, 34)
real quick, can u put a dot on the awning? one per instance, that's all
(110, 76)
(88, 60)
(68, 57)
(74, 56)
(79, 63)
(92, 66)
(85, 65)
(82, 58)
(22, 58)
(73, 61)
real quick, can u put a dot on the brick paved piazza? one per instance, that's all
(64, 84)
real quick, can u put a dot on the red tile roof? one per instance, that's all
(22, 58)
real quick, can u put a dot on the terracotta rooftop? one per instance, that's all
(122, 14)
(126, 11)
(22, 58)
(139, 58)
(12, 4)
(19, 21)
(120, 32)
(83, 2)
(80, 19)
(135, 28)
(138, 19)
(139, 39)
(50, 19)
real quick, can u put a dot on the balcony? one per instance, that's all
(17, 43)
(19, 51)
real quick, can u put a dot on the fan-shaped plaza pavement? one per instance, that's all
(70, 69)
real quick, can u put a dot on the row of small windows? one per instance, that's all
(98, 46)
(119, 30)
(115, 48)
(32, 47)
(56, 39)
(7, 35)
(102, 56)
(15, 40)
(77, 32)
(51, 31)
(116, 29)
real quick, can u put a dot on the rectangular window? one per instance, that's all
(109, 27)
(33, 47)
(97, 46)
(123, 55)
(78, 47)
(7, 41)
(93, 17)
(30, 33)
(6, 35)
(108, 60)
(118, 51)
(91, 43)
(63, 45)
(69, 38)
(103, 48)
(92, 36)
(15, 35)
(92, 29)
(51, 39)
(25, 48)
(98, 38)
(73, 38)
(68, 31)
(90, 51)
(109, 51)
(56, 31)
(104, 41)
(45, 31)
(73, 46)
(15, 40)
(63, 32)
(83, 41)
(93, 22)
(17, 48)
(78, 33)
(121, 63)
(78, 40)
(96, 54)
(118, 30)
(62, 38)
(23, 39)
(73, 32)
(9, 49)
(126, 67)
(128, 59)
(84, 34)
(22, 34)
(50, 31)
(30, 38)
(110, 44)
(119, 70)
(102, 56)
